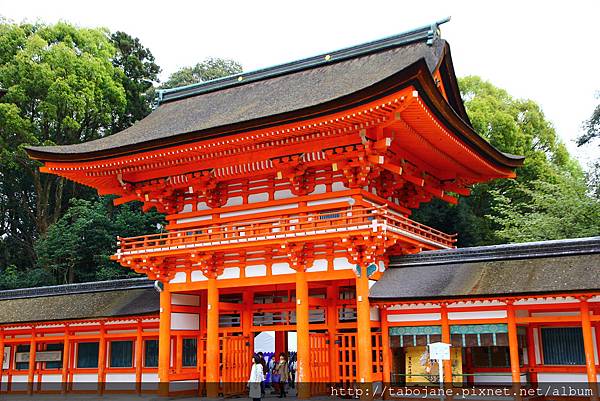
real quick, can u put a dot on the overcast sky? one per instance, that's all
(543, 50)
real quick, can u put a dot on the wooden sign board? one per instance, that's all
(6, 360)
(40, 356)
(439, 351)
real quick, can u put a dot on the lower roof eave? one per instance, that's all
(485, 297)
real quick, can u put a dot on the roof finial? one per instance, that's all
(434, 30)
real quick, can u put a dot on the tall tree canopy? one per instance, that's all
(78, 246)
(62, 84)
(61, 87)
(211, 68)
(505, 210)
(592, 134)
(139, 74)
(591, 127)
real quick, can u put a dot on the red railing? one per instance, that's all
(287, 227)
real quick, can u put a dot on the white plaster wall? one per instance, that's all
(193, 219)
(150, 377)
(319, 265)
(260, 197)
(327, 201)
(18, 383)
(234, 201)
(319, 189)
(120, 381)
(283, 194)
(259, 210)
(198, 276)
(342, 264)
(84, 381)
(562, 377)
(49, 381)
(410, 317)
(374, 313)
(281, 268)
(230, 272)
(202, 206)
(338, 186)
(256, 270)
(497, 314)
(185, 321)
(179, 278)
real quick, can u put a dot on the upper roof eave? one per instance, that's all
(426, 32)
(416, 75)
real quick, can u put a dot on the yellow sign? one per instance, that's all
(420, 369)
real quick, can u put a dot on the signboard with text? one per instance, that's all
(40, 356)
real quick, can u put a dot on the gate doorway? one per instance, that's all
(236, 355)
(346, 352)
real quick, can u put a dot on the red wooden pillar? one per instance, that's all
(588, 344)
(1, 355)
(66, 362)
(247, 320)
(385, 345)
(363, 323)
(280, 343)
(302, 330)
(101, 359)
(31, 371)
(513, 347)
(212, 338)
(164, 342)
(139, 349)
(533, 376)
(446, 338)
(332, 320)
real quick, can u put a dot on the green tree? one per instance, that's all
(515, 126)
(78, 246)
(61, 85)
(555, 211)
(139, 73)
(591, 127)
(209, 69)
(61, 81)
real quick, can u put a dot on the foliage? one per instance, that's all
(61, 87)
(209, 69)
(78, 246)
(554, 211)
(519, 127)
(591, 127)
(139, 73)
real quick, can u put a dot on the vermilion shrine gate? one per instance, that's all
(286, 191)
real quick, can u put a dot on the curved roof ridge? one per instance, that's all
(427, 32)
(526, 250)
(77, 288)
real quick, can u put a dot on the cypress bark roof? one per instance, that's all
(286, 93)
(79, 301)
(530, 268)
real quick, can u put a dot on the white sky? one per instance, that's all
(543, 50)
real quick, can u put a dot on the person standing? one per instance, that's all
(261, 356)
(256, 379)
(281, 374)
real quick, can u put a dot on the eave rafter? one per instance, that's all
(380, 127)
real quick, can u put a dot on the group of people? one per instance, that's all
(281, 372)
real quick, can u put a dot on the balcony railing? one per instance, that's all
(299, 227)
